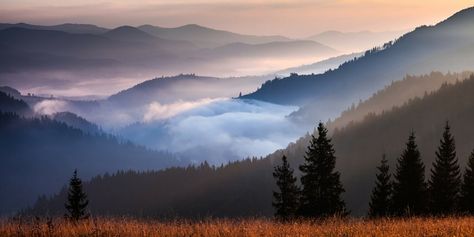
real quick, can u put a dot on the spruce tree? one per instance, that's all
(409, 188)
(322, 188)
(467, 188)
(444, 185)
(286, 200)
(76, 199)
(380, 200)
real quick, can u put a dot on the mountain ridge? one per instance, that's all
(425, 49)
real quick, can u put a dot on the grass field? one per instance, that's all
(257, 227)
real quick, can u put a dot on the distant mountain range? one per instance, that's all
(79, 52)
(68, 27)
(207, 37)
(447, 46)
(200, 36)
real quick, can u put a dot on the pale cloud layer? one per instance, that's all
(294, 18)
(50, 107)
(156, 110)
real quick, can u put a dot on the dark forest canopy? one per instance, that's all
(244, 188)
(38, 154)
(9, 104)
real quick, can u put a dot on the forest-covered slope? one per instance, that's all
(245, 188)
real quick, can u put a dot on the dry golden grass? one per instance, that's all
(462, 226)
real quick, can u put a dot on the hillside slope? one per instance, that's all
(38, 154)
(244, 188)
(445, 47)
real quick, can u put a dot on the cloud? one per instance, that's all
(219, 131)
(157, 111)
(50, 106)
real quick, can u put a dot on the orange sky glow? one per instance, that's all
(293, 18)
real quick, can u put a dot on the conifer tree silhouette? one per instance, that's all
(322, 188)
(380, 200)
(409, 188)
(445, 182)
(467, 188)
(76, 200)
(286, 200)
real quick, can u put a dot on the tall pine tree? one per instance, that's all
(409, 188)
(467, 188)
(286, 200)
(380, 200)
(76, 200)
(445, 182)
(322, 188)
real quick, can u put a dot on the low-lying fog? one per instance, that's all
(217, 130)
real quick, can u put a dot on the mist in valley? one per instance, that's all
(211, 112)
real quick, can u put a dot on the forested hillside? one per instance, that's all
(395, 94)
(9, 104)
(445, 47)
(38, 154)
(245, 188)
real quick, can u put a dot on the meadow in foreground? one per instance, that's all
(452, 226)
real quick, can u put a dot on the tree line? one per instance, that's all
(447, 191)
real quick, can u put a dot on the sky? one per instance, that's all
(292, 18)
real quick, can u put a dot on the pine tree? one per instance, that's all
(322, 188)
(76, 199)
(467, 188)
(286, 201)
(380, 200)
(409, 188)
(445, 182)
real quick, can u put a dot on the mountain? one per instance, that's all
(319, 67)
(446, 46)
(40, 58)
(52, 60)
(39, 154)
(18, 60)
(78, 122)
(244, 188)
(9, 104)
(111, 45)
(182, 87)
(59, 43)
(128, 33)
(159, 89)
(67, 27)
(199, 35)
(10, 91)
(207, 37)
(350, 42)
(395, 94)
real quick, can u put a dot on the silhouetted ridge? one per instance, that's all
(67, 27)
(465, 16)
(129, 33)
(10, 104)
(76, 121)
